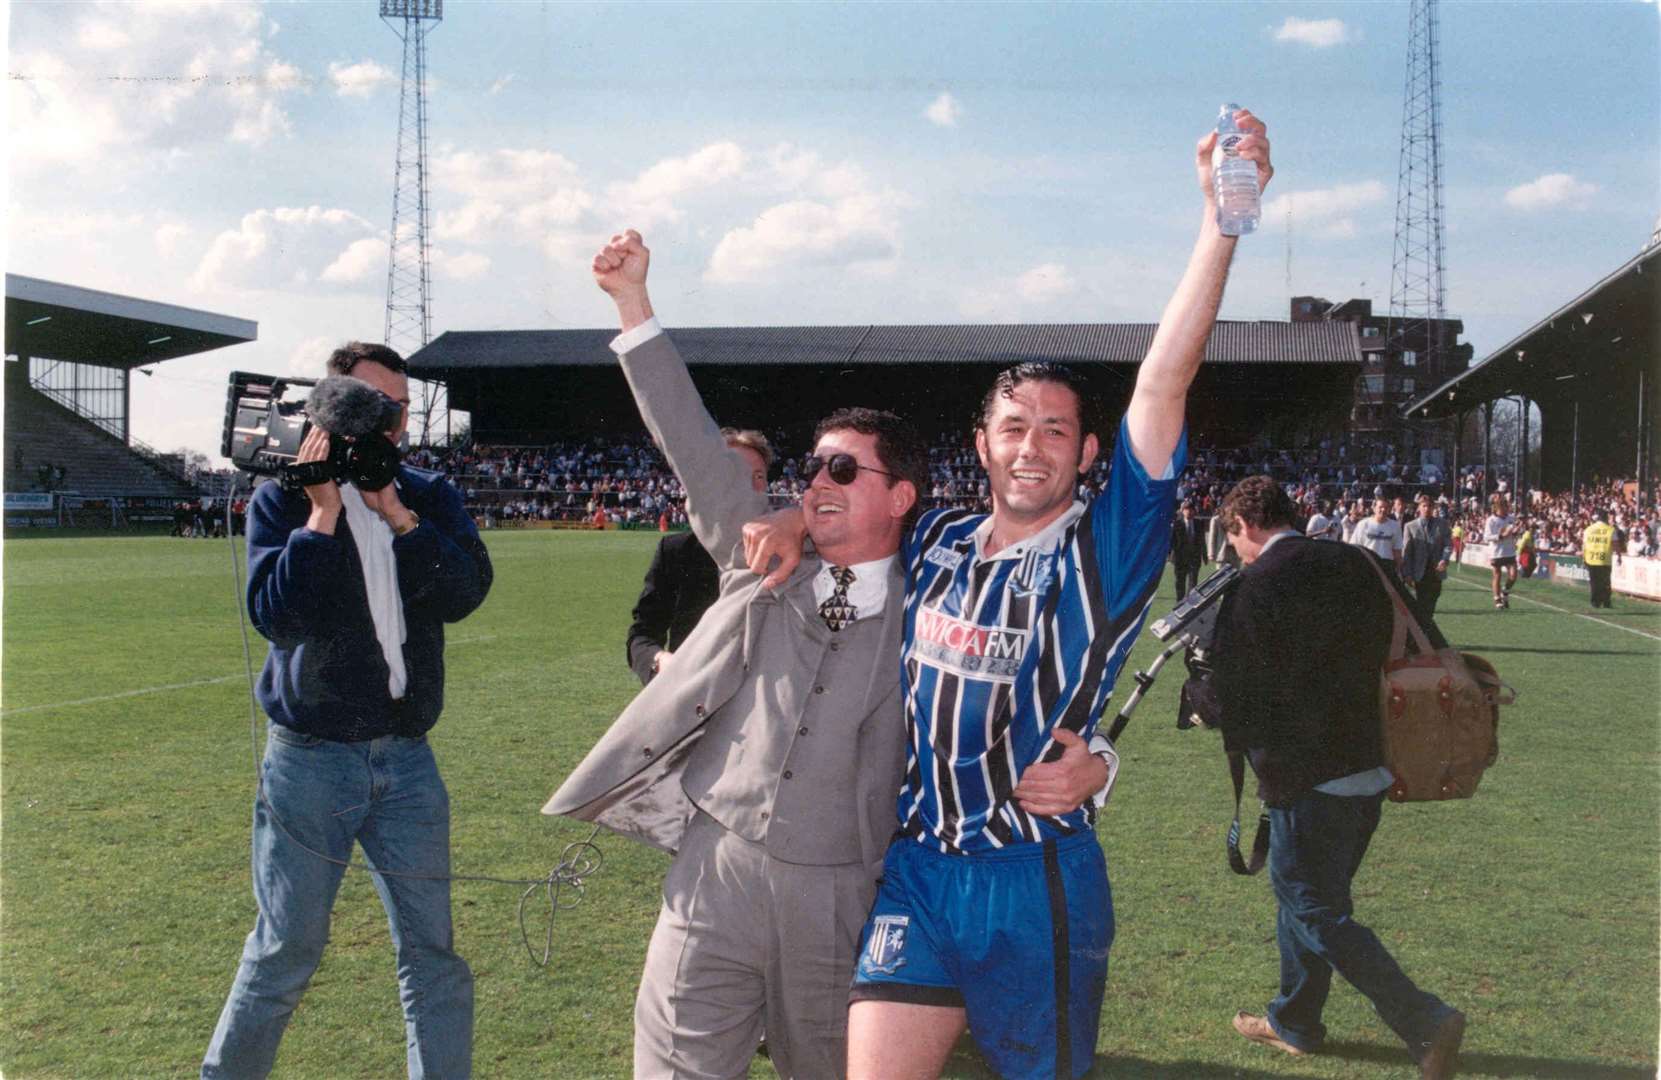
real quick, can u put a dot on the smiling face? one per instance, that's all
(861, 521)
(1031, 446)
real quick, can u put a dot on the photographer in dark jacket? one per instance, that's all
(353, 589)
(1298, 695)
(682, 581)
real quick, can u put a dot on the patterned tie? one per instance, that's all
(836, 611)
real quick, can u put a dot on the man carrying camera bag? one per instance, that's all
(1298, 695)
(353, 588)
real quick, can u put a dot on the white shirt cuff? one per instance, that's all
(629, 340)
(1102, 747)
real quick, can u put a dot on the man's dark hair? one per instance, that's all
(1089, 415)
(1256, 501)
(900, 449)
(353, 353)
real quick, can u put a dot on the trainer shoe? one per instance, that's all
(1259, 1030)
(1439, 1060)
(1498, 603)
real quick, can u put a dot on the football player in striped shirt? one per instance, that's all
(994, 911)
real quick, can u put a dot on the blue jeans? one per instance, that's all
(1315, 848)
(386, 795)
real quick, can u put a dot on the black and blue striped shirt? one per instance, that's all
(1001, 649)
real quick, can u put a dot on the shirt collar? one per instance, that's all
(867, 593)
(1271, 541)
(1043, 538)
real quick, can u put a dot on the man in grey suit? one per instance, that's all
(768, 757)
(1427, 547)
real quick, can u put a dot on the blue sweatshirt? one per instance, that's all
(326, 675)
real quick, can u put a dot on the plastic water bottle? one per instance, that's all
(1238, 206)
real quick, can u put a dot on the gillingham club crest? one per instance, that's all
(882, 952)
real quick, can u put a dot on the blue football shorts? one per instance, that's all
(1017, 937)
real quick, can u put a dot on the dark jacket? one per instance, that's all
(325, 674)
(680, 586)
(1300, 640)
(1187, 542)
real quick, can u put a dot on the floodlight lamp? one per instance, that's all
(412, 9)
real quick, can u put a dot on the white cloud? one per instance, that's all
(360, 79)
(651, 197)
(527, 190)
(287, 246)
(362, 260)
(1550, 190)
(800, 234)
(835, 217)
(502, 174)
(144, 78)
(100, 35)
(1326, 211)
(308, 358)
(171, 238)
(944, 110)
(471, 221)
(501, 84)
(804, 172)
(463, 267)
(1316, 33)
(1042, 293)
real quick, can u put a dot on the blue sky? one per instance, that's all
(802, 163)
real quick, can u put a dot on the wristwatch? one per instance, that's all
(414, 523)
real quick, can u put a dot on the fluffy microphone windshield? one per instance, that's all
(351, 408)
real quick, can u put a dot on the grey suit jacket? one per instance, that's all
(631, 781)
(1425, 545)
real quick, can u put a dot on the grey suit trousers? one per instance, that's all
(745, 941)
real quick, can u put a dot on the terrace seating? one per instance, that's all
(96, 464)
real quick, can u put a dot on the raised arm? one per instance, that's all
(720, 496)
(1156, 409)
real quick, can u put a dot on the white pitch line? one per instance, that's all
(174, 686)
(123, 694)
(1577, 614)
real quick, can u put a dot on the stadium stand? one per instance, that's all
(95, 464)
(70, 354)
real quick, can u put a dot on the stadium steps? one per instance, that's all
(96, 464)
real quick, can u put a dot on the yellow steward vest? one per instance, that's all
(1596, 544)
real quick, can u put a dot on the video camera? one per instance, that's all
(1194, 620)
(1193, 625)
(263, 432)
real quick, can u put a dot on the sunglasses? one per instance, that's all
(843, 468)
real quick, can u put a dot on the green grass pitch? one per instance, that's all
(128, 774)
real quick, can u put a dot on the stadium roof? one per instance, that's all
(66, 322)
(1614, 326)
(841, 346)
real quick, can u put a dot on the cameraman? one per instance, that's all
(1298, 695)
(353, 589)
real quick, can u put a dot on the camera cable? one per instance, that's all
(562, 886)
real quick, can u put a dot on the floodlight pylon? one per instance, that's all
(409, 274)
